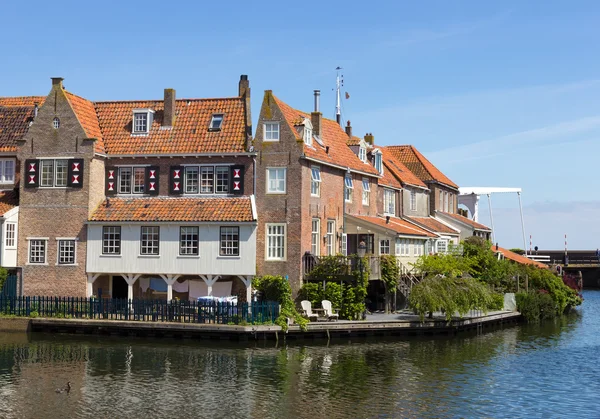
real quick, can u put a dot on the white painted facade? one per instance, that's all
(169, 261)
(8, 244)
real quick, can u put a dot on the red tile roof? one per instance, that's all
(86, 114)
(189, 134)
(465, 220)
(22, 101)
(331, 134)
(175, 209)
(396, 224)
(432, 224)
(399, 170)
(419, 165)
(515, 257)
(8, 200)
(14, 123)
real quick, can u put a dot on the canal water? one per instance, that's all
(529, 371)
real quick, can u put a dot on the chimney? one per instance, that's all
(169, 112)
(369, 139)
(57, 81)
(316, 116)
(36, 107)
(244, 93)
(349, 129)
(387, 219)
(496, 246)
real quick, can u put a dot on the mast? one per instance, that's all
(339, 82)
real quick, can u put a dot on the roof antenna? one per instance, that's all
(339, 82)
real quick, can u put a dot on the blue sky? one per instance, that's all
(494, 93)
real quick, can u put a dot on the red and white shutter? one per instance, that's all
(75, 173)
(237, 180)
(110, 181)
(32, 173)
(152, 180)
(176, 180)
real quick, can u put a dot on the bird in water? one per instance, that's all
(67, 389)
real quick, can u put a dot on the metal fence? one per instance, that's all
(9, 289)
(141, 310)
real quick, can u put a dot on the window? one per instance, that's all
(207, 177)
(66, 252)
(191, 176)
(389, 202)
(216, 122)
(307, 135)
(111, 240)
(441, 201)
(445, 201)
(230, 241)
(53, 173)
(140, 122)
(276, 237)
(442, 246)
(188, 241)
(413, 201)
(10, 238)
(316, 232)
(451, 203)
(397, 247)
(56, 123)
(362, 153)
(37, 251)
(276, 182)
(366, 196)
(330, 238)
(344, 244)
(149, 240)
(349, 186)
(315, 181)
(132, 180)
(7, 170)
(221, 179)
(271, 131)
(384, 247)
(378, 162)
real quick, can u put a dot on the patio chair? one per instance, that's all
(329, 312)
(307, 310)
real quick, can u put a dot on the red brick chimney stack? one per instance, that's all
(169, 112)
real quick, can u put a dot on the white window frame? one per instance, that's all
(451, 205)
(378, 163)
(10, 237)
(275, 251)
(384, 246)
(203, 185)
(315, 181)
(389, 202)
(53, 178)
(413, 200)
(441, 199)
(362, 153)
(56, 123)
(279, 180)
(34, 241)
(330, 238)
(271, 131)
(149, 113)
(315, 237)
(192, 246)
(216, 122)
(113, 244)
(149, 246)
(307, 135)
(441, 249)
(59, 250)
(445, 201)
(229, 241)
(4, 163)
(366, 195)
(344, 244)
(348, 187)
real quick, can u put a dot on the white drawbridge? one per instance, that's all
(469, 197)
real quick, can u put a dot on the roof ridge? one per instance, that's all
(162, 100)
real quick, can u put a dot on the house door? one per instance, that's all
(120, 288)
(355, 239)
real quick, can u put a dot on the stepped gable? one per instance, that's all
(419, 165)
(331, 135)
(167, 209)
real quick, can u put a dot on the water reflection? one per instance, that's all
(517, 372)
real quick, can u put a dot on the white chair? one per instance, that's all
(307, 310)
(329, 312)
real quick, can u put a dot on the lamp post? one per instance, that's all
(362, 249)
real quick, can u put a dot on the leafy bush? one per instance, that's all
(497, 301)
(277, 288)
(313, 292)
(334, 293)
(449, 295)
(536, 306)
(33, 314)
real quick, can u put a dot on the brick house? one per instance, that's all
(322, 191)
(138, 198)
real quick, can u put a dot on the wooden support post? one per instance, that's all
(90, 284)
(170, 280)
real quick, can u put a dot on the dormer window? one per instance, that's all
(142, 120)
(216, 122)
(308, 132)
(378, 162)
(362, 153)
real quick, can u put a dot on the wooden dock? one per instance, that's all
(375, 325)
